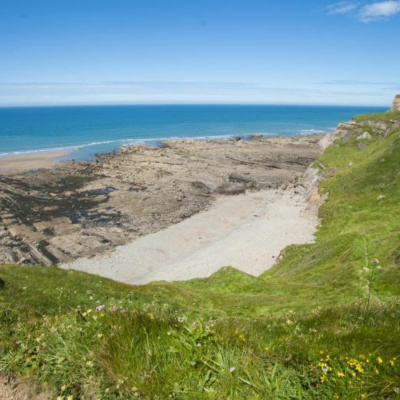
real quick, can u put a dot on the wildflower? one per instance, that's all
(266, 348)
(100, 308)
(232, 369)
(359, 369)
(63, 388)
(60, 397)
(325, 368)
(392, 361)
(242, 337)
(340, 374)
(181, 319)
(70, 398)
(151, 315)
(60, 360)
(90, 364)
(380, 361)
(322, 378)
(100, 335)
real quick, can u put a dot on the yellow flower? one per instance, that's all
(391, 362)
(63, 388)
(322, 378)
(100, 335)
(70, 398)
(266, 348)
(359, 369)
(242, 337)
(60, 360)
(380, 361)
(340, 374)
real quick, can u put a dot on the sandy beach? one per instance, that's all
(20, 163)
(247, 232)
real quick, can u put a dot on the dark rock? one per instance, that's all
(100, 192)
(76, 217)
(255, 137)
(201, 187)
(234, 177)
(231, 189)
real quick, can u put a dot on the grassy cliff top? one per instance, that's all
(323, 323)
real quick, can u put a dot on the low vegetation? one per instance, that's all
(324, 323)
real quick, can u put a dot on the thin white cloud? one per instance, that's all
(372, 12)
(379, 11)
(343, 7)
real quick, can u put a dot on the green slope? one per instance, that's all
(323, 323)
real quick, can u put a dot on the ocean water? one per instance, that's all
(83, 131)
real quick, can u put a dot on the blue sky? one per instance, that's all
(199, 51)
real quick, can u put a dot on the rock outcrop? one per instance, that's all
(396, 103)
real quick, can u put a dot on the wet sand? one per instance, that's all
(20, 163)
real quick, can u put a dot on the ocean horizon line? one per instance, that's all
(347, 105)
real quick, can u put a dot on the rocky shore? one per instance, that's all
(83, 209)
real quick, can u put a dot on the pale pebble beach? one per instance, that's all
(247, 232)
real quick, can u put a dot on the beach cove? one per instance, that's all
(205, 197)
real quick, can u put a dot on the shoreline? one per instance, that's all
(21, 161)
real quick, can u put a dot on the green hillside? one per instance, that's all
(324, 323)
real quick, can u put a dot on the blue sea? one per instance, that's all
(83, 131)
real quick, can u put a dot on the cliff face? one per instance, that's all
(396, 103)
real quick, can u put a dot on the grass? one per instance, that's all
(323, 323)
(388, 116)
